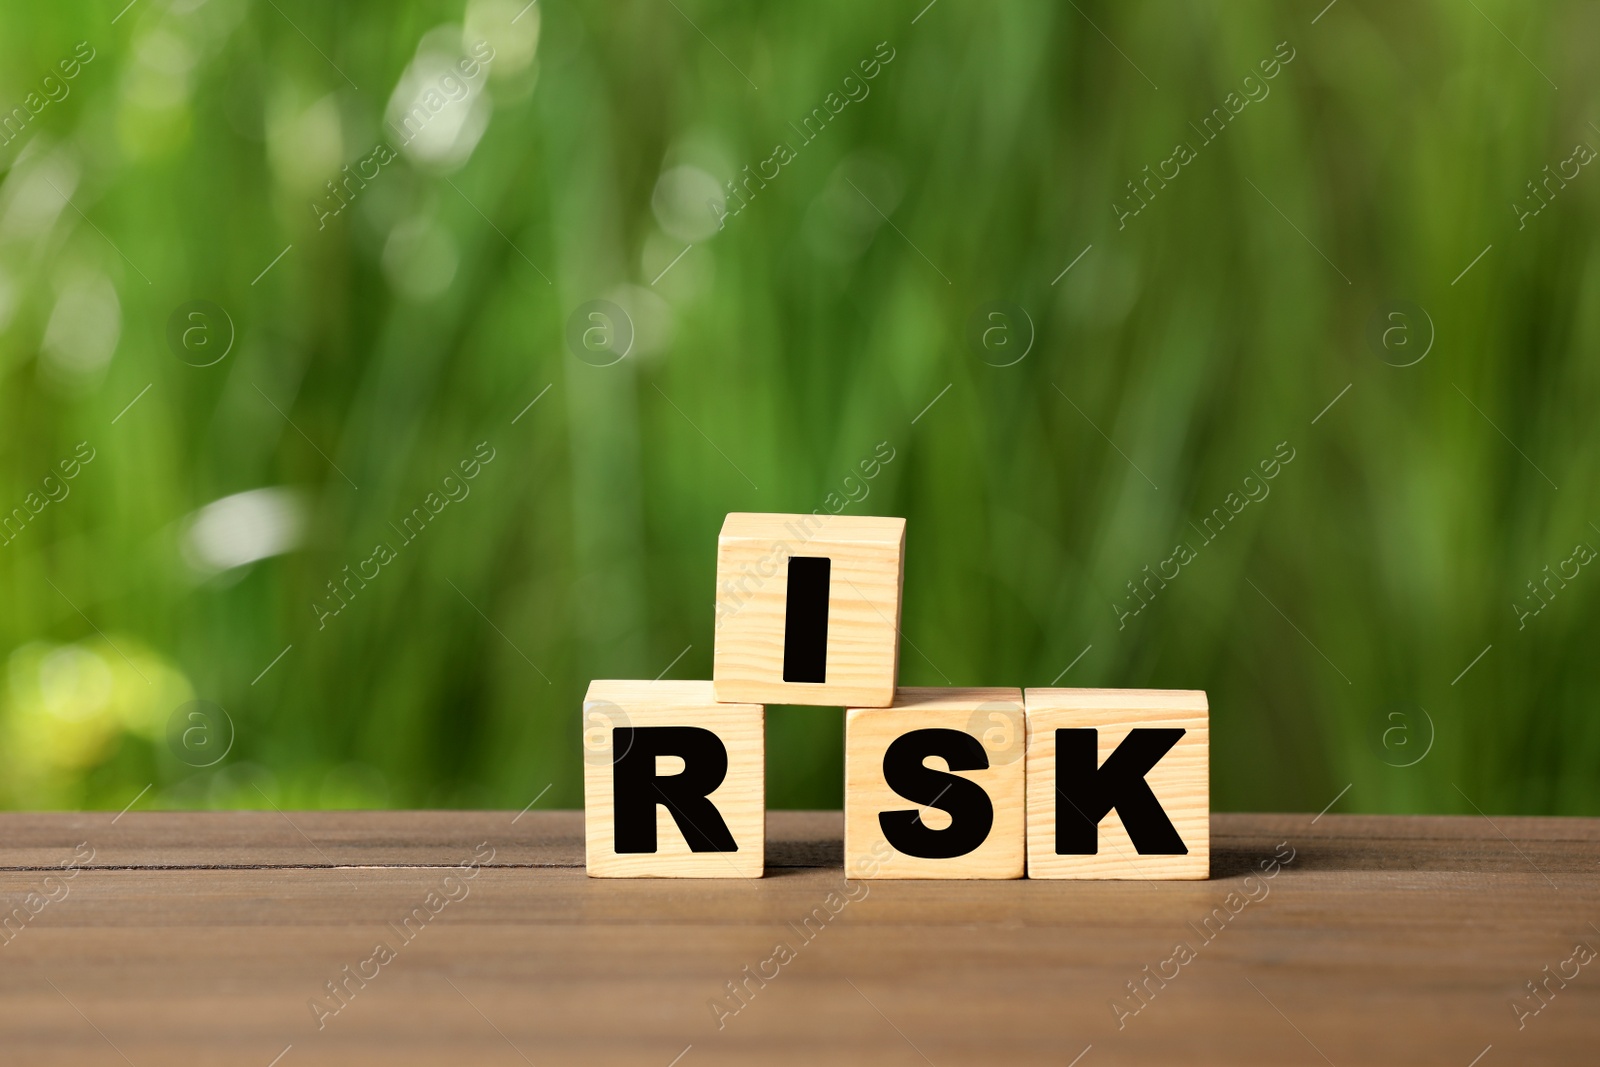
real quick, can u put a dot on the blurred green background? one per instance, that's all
(945, 266)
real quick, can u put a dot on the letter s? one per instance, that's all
(968, 805)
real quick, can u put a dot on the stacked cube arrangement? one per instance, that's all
(952, 782)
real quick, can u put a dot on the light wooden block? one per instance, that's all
(768, 646)
(1180, 781)
(991, 720)
(610, 710)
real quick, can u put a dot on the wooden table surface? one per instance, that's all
(204, 938)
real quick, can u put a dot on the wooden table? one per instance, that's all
(201, 938)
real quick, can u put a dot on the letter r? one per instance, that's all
(637, 789)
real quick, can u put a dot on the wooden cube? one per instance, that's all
(935, 785)
(808, 609)
(674, 783)
(1119, 783)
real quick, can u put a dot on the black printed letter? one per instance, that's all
(637, 789)
(970, 809)
(805, 620)
(1085, 794)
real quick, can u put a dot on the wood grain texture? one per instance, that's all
(863, 649)
(740, 799)
(993, 716)
(200, 938)
(1181, 781)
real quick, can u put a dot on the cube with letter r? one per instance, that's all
(808, 609)
(1119, 783)
(674, 783)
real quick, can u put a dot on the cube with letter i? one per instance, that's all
(808, 609)
(674, 783)
(1119, 783)
(934, 785)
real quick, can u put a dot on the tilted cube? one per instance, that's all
(808, 609)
